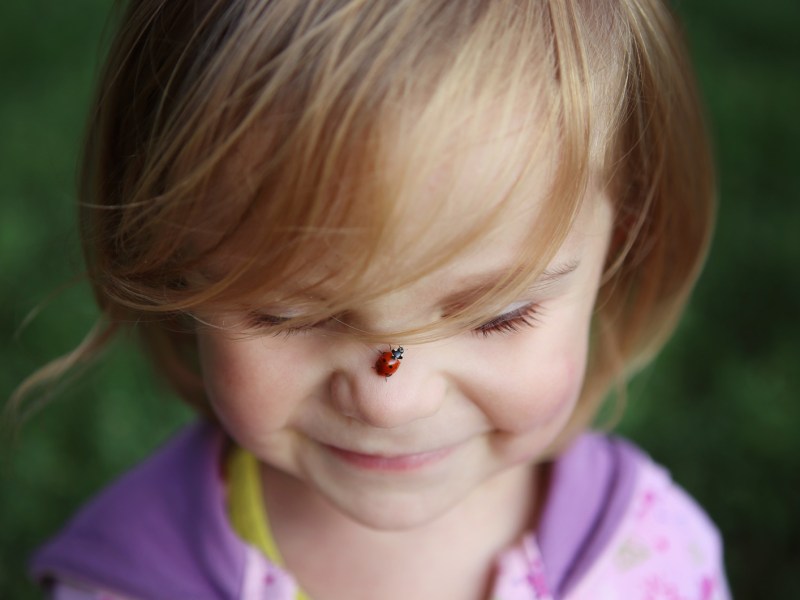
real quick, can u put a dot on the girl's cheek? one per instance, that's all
(253, 385)
(545, 398)
(528, 426)
(221, 371)
(537, 382)
(233, 382)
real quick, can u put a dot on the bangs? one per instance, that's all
(294, 176)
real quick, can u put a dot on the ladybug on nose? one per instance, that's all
(388, 362)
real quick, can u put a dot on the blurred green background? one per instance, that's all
(719, 408)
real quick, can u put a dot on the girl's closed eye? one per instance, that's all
(510, 321)
(265, 322)
(513, 320)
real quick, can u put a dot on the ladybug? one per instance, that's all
(389, 362)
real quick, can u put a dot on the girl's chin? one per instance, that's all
(397, 493)
(391, 511)
(384, 493)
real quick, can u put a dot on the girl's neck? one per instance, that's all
(334, 557)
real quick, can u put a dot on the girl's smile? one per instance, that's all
(391, 462)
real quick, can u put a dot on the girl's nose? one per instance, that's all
(413, 392)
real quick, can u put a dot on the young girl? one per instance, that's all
(396, 253)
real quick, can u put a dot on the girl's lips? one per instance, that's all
(402, 462)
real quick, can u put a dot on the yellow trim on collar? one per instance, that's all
(246, 506)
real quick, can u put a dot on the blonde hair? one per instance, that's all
(233, 143)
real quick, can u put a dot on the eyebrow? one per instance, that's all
(477, 284)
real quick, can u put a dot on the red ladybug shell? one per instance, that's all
(388, 362)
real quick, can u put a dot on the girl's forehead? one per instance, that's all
(466, 274)
(465, 256)
(414, 201)
(475, 184)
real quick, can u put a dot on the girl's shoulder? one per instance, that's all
(638, 533)
(160, 530)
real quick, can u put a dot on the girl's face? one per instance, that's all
(397, 453)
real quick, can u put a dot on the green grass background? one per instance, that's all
(719, 408)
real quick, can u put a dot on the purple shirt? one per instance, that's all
(613, 525)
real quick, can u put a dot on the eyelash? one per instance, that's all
(514, 320)
(261, 321)
(510, 322)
